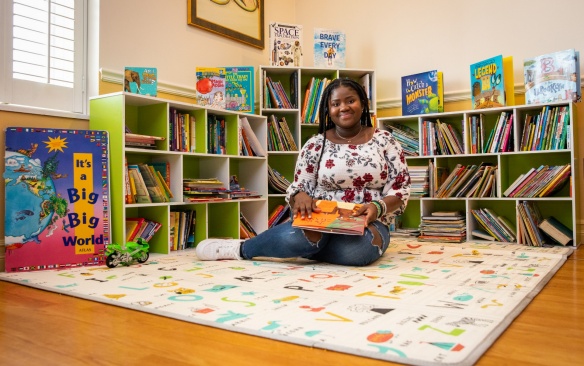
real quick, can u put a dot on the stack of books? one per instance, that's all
(419, 179)
(276, 181)
(204, 189)
(445, 226)
(407, 137)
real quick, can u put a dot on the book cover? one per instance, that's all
(557, 231)
(335, 217)
(57, 198)
(141, 80)
(491, 82)
(552, 77)
(422, 93)
(239, 88)
(210, 87)
(329, 48)
(285, 42)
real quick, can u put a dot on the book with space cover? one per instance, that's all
(210, 87)
(57, 198)
(491, 82)
(553, 77)
(329, 48)
(335, 217)
(141, 80)
(285, 44)
(422, 93)
(239, 88)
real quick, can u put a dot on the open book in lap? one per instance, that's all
(335, 217)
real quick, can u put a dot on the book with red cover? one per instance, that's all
(335, 217)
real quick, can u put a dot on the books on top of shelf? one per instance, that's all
(334, 217)
(285, 42)
(491, 82)
(239, 88)
(141, 80)
(329, 48)
(552, 77)
(556, 231)
(57, 198)
(422, 93)
(210, 87)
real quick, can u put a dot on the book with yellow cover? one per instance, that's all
(335, 217)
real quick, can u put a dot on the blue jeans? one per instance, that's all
(284, 241)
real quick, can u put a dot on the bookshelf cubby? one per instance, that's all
(295, 81)
(151, 116)
(563, 204)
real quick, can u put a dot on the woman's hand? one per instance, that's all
(303, 205)
(370, 212)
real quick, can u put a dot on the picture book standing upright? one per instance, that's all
(141, 80)
(329, 48)
(57, 193)
(210, 87)
(491, 82)
(285, 44)
(553, 77)
(422, 93)
(239, 88)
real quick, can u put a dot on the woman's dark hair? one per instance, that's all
(324, 120)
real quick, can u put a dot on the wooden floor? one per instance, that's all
(45, 328)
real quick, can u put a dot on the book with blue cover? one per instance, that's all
(141, 80)
(329, 48)
(422, 93)
(239, 88)
(491, 82)
(57, 198)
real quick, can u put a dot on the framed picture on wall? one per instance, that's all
(241, 20)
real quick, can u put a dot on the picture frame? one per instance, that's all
(240, 20)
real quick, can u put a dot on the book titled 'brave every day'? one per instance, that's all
(57, 193)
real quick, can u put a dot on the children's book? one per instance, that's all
(239, 88)
(329, 48)
(210, 87)
(141, 80)
(335, 217)
(57, 198)
(285, 44)
(422, 93)
(491, 82)
(553, 77)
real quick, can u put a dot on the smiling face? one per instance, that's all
(345, 107)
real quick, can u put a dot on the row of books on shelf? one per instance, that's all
(140, 227)
(548, 130)
(213, 189)
(474, 180)
(440, 139)
(497, 227)
(181, 131)
(540, 182)
(280, 137)
(147, 183)
(276, 96)
(277, 182)
(549, 77)
(312, 96)
(407, 137)
(182, 226)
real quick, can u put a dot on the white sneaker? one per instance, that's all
(215, 249)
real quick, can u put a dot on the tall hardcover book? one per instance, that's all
(422, 93)
(334, 217)
(210, 87)
(285, 44)
(491, 82)
(553, 77)
(57, 198)
(141, 80)
(329, 48)
(239, 88)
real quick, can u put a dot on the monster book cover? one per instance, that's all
(141, 80)
(491, 83)
(57, 198)
(422, 93)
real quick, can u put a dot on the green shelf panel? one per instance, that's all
(223, 220)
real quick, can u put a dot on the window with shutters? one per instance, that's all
(44, 54)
